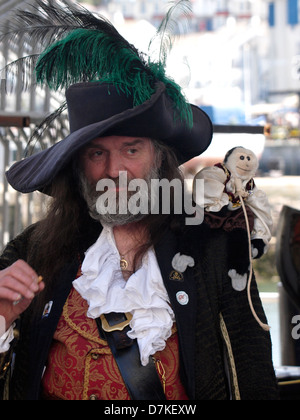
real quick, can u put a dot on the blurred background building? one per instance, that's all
(239, 60)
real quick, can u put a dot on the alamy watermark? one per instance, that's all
(141, 197)
(296, 329)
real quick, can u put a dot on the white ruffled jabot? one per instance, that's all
(143, 294)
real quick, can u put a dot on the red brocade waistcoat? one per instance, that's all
(81, 366)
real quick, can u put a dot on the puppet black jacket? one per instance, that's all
(224, 353)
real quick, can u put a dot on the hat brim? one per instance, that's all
(153, 119)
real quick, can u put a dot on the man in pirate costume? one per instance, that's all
(129, 306)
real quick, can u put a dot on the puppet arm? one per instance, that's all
(212, 196)
(259, 204)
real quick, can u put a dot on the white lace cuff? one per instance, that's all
(6, 339)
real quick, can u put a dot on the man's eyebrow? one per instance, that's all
(92, 145)
(134, 142)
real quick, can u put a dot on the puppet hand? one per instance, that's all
(239, 282)
(258, 248)
(181, 262)
(240, 190)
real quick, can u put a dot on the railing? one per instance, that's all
(20, 210)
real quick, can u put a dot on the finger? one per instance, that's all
(10, 295)
(41, 286)
(23, 274)
(16, 286)
(21, 282)
(25, 268)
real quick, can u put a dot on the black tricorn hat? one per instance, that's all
(96, 110)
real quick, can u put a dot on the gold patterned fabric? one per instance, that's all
(81, 366)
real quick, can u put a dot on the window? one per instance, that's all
(292, 13)
(272, 14)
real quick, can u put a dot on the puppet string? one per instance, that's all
(264, 326)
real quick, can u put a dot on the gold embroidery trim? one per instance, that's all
(226, 338)
(83, 333)
(161, 371)
(87, 369)
(86, 377)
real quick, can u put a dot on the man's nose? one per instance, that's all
(114, 166)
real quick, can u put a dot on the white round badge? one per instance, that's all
(182, 298)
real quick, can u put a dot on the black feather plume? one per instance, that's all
(169, 28)
(49, 22)
(46, 22)
(43, 127)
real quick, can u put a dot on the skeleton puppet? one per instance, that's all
(226, 185)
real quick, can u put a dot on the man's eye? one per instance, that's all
(131, 151)
(95, 154)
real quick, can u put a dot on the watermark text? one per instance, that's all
(158, 196)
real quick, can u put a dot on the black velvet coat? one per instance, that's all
(224, 353)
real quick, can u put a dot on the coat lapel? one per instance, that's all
(45, 326)
(182, 293)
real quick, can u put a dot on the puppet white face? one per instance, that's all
(242, 163)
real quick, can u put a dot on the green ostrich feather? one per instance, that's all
(90, 55)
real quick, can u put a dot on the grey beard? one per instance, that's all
(113, 217)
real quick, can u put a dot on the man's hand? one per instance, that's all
(19, 284)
